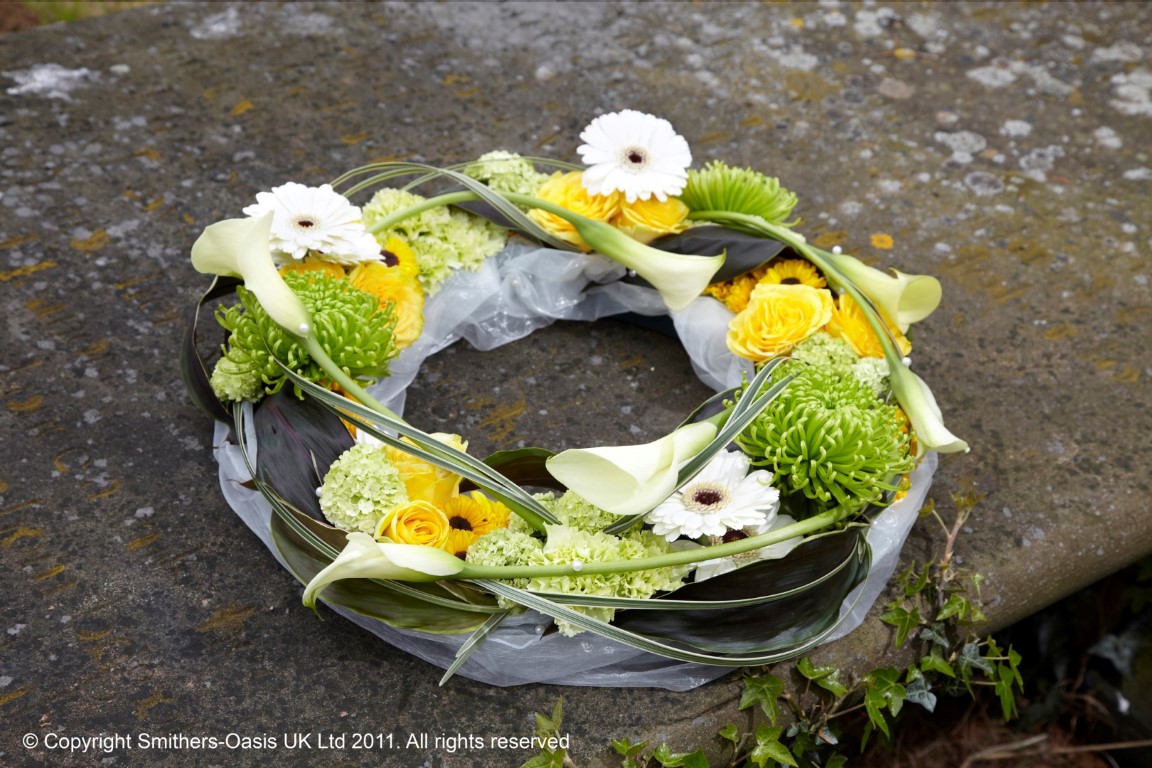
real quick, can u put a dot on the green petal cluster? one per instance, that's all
(717, 187)
(566, 544)
(829, 438)
(443, 239)
(347, 322)
(506, 172)
(360, 488)
(575, 512)
(822, 350)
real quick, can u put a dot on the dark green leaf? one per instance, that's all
(918, 691)
(827, 678)
(297, 442)
(743, 251)
(627, 748)
(193, 369)
(956, 605)
(915, 581)
(836, 761)
(937, 663)
(523, 466)
(768, 747)
(904, 621)
(763, 690)
(730, 733)
(822, 571)
(935, 634)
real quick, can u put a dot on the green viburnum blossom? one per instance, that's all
(507, 172)
(825, 351)
(444, 240)
(361, 487)
(577, 513)
(828, 437)
(346, 322)
(566, 544)
(718, 187)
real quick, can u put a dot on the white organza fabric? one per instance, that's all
(521, 289)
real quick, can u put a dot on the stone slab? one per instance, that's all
(1002, 147)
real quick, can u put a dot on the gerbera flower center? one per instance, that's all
(706, 497)
(459, 523)
(303, 222)
(790, 281)
(635, 158)
(390, 259)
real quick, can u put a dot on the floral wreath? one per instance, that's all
(765, 524)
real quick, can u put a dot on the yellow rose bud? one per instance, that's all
(392, 286)
(424, 481)
(416, 522)
(777, 318)
(567, 191)
(646, 220)
(848, 323)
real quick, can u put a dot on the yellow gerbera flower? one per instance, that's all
(470, 516)
(398, 254)
(848, 323)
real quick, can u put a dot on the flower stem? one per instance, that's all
(813, 524)
(317, 352)
(449, 198)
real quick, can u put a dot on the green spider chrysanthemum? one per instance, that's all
(348, 323)
(828, 437)
(717, 187)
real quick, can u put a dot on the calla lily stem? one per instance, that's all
(347, 383)
(814, 524)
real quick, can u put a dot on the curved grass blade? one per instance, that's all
(472, 644)
(426, 447)
(523, 466)
(193, 369)
(803, 613)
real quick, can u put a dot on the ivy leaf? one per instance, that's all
(937, 663)
(768, 747)
(914, 582)
(956, 605)
(695, 759)
(763, 690)
(883, 690)
(919, 691)
(730, 733)
(627, 748)
(836, 761)
(935, 634)
(827, 678)
(904, 621)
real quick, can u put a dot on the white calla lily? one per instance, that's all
(240, 248)
(365, 558)
(921, 409)
(630, 479)
(905, 299)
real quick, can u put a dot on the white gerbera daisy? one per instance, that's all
(723, 496)
(634, 153)
(315, 220)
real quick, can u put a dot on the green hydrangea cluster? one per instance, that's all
(506, 172)
(575, 512)
(828, 437)
(347, 322)
(567, 544)
(444, 240)
(717, 187)
(360, 488)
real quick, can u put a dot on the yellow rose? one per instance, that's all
(424, 481)
(392, 286)
(777, 318)
(567, 191)
(848, 323)
(416, 522)
(646, 220)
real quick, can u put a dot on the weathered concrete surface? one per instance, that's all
(1002, 147)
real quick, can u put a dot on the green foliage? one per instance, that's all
(827, 437)
(548, 727)
(938, 608)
